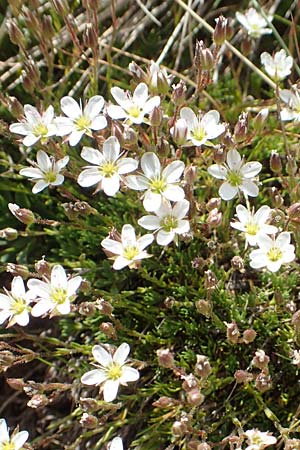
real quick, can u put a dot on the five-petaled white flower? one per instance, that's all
(112, 372)
(258, 440)
(202, 129)
(53, 295)
(238, 175)
(168, 221)
(129, 249)
(15, 304)
(292, 100)
(116, 444)
(253, 224)
(158, 184)
(15, 442)
(272, 253)
(278, 66)
(107, 167)
(36, 126)
(133, 108)
(47, 172)
(254, 23)
(80, 121)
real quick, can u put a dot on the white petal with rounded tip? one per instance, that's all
(48, 115)
(112, 246)
(92, 156)
(258, 259)
(149, 222)
(101, 355)
(19, 439)
(289, 254)
(116, 112)
(227, 191)
(152, 201)
(129, 374)
(4, 435)
(173, 171)
(144, 241)
(111, 185)
(73, 285)
(211, 118)
(249, 188)
(126, 165)
(214, 131)
(234, 159)
(41, 307)
(121, 262)
(89, 177)
(93, 377)
(128, 235)
(243, 214)
(121, 353)
(70, 107)
(94, 106)
(183, 226)
(110, 390)
(151, 104)
(75, 137)
(287, 114)
(98, 123)
(165, 237)
(150, 165)
(59, 180)
(64, 125)
(116, 444)
(262, 214)
(32, 115)
(39, 186)
(31, 172)
(274, 266)
(58, 277)
(17, 287)
(218, 171)
(61, 163)
(251, 169)
(30, 140)
(64, 308)
(140, 94)
(38, 287)
(265, 242)
(4, 315)
(174, 193)
(120, 96)
(20, 128)
(283, 239)
(137, 182)
(111, 148)
(190, 117)
(22, 319)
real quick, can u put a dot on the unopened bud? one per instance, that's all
(87, 309)
(242, 376)
(32, 70)
(22, 214)
(293, 212)
(241, 128)
(214, 218)
(260, 119)
(291, 166)
(108, 329)
(275, 162)
(38, 401)
(211, 281)
(158, 79)
(104, 306)
(61, 6)
(88, 421)
(15, 34)
(219, 155)
(15, 107)
(90, 38)
(190, 382)
(18, 270)
(43, 268)
(179, 132)
(190, 174)
(249, 336)
(138, 73)
(202, 368)
(178, 94)
(165, 402)
(227, 139)
(232, 333)
(89, 404)
(246, 46)
(156, 116)
(223, 31)
(165, 358)
(237, 263)
(260, 360)
(180, 427)
(130, 136)
(16, 383)
(277, 199)
(292, 444)
(48, 29)
(204, 307)
(195, 398)
(204, 58)
(263, 382)
(10, 234)
(213, 203)
(31, 19)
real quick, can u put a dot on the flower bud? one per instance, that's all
(138, 74)
(16, 383)
(108, 329)
(211, 281)
(276, 197)
(202, 368)
(31, 19)
(293, 212)
(18, 270)
(10, 234)
(22, 214)
(259, 119)
(214, 218)
(232, 333)
(165, 358)
(32, 70)
(104, 306)
(292, 444)
(61, 7)
(291, 166)
(249, 336)
(88, 421)
(203, 58)
(263, 382)
(178, 94)
(90, 38)
(87, 309)
(47, 25)
(89, 404)
(165, 402)
(260, 360)
(129, 136)
(237, 263)
(180, 427)
(246, 46)
(223, 31)
(213, 203)
(204, 307)
(156, 116)
(15, 107)
(15, 34)
(190, 174)
(195, 398)
(219, 155)
(43, 268)
(242, 376)
(190, 382)
(157, 79)
(38, 401)
(275, 162)
(179, 132)
(241, 128)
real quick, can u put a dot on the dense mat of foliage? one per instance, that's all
(151, 208)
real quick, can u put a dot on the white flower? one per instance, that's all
(254, 23)
(133, 108)
(14, 305)
(15, 442)
(130, 250)
(258, 440)
(253, 224)
(277, 66)
(158, 184)
(53, 295)
(272, 253)
(296, 358)
(112, 371)
(36, 126)
(47, 172)
(202, 129)
(107, 167)
(168, 221)
(116, 444)
(238, 175)
(158, 78)
(292, 100)
(80, 121)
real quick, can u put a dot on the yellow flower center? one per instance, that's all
(252, 228)
(40, 130)
(114, 372)
(234, 178)
(108, 169)
(158, 185)
(169, 223)
(8, 445)
(83, 123)
(18, 306)
(59, 295)
(50, 177)
(134, 111)
(274, 254)
(199, 133)
(131, 252)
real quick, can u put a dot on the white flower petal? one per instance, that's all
(251, 169)
(98, 123)
(249, 188)
(128, 235)
(101, 355)
(116, 112)
(137, 182)
(151, 104)
(19, 439)
(121, 262)
(31, 172)
(94, 106)
(173, 171)
(20, 128)
(121, 353)
(181, 208)
(165, 237)
(149, 222)
(112, 246)
(218, 171)
(140, 94)
(233, 159)
(243, 214)
(73, 285)
(144, 241)
(75, 137)
(39, 186)
(190, 117)
(58, 277)
(174, 193)
(126, 165)
(4, 435)
(152, 201)
(70, 107)
(22, 319)
(111, 149)
(150, 165)
(41, 307)
(17, 287)
(30, 140)
(111, 185)
(93, 377)
(129, 374)
(110, 390)
(227, 191)
(120, 96)
(116, 444)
